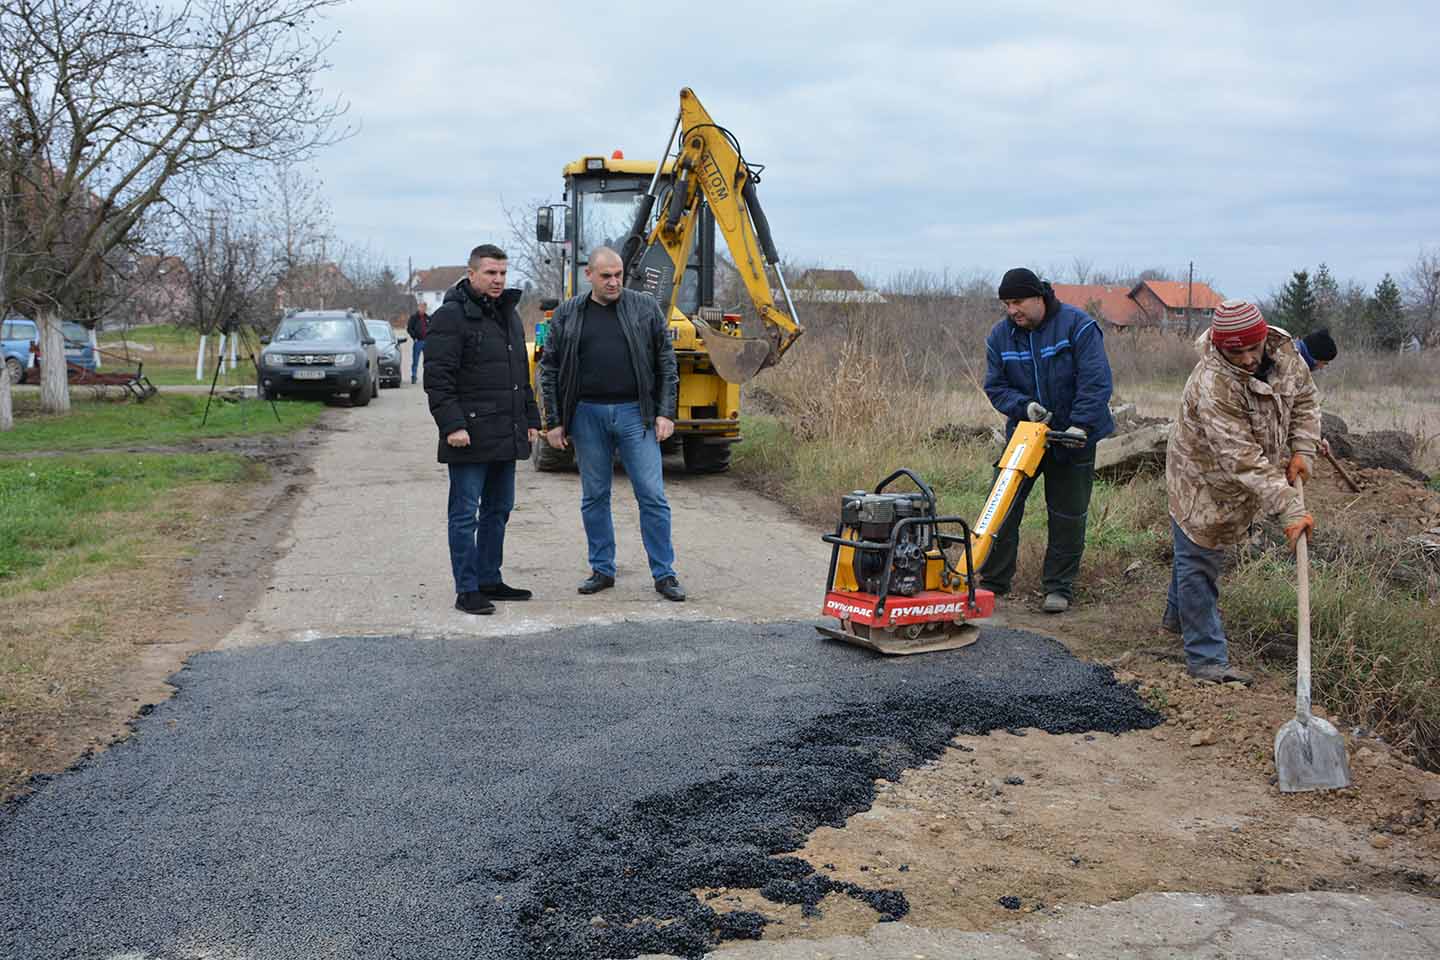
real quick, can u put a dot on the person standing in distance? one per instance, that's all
(610, 383)
(1045, 361)
(417, 326)
(477, 380)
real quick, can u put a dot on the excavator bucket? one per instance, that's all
(736, 359)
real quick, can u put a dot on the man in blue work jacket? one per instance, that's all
(1046, 362)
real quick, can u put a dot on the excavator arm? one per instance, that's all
(710, 167)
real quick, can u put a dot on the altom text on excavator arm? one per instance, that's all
(710, 167)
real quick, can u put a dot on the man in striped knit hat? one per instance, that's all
(1248, 427)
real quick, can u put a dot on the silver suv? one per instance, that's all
(320, 353)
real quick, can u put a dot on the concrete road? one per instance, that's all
(367, 552)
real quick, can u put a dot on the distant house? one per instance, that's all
(430, 285)
(1163, 303)
(831, 286)
(1109, 304)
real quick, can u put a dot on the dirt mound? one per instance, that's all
(1382, 449)
(966, 433)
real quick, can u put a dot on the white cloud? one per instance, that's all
(1253, 140)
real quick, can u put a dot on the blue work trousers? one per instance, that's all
(598, 431)
(481, 498)
(1193, 603)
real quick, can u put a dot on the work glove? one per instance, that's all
(1304, 525)
(1299, 466)
(1036, 413)
(1074, 431)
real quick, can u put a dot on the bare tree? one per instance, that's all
(116, 102)
(1082, 268)
(229, 273)
(1421, 284)
(538, 264)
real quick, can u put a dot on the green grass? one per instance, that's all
(163, 336)
(166, 418)
(53, 526)
(1375, 645)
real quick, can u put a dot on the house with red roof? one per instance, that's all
(1166, 303)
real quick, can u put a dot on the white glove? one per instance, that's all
(1073, 431)
(1037, 413)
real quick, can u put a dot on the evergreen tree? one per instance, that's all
(1296, 305)
(1386, 315)
(1327, 297)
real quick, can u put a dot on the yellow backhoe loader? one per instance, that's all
(662, 217)
(903, 577)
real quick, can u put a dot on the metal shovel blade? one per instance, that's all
(1311, 756)
(736, 359)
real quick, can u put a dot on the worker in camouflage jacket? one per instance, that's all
(1248, 427)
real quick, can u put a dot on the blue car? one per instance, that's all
(77, 345)
(18, 336)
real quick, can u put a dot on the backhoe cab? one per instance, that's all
(663, 220)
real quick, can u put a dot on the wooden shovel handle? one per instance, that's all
(1302, 630)
(1344, 474)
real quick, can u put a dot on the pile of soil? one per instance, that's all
(1382, 449)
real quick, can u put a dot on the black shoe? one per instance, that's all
(473, 602)
(596, 582)
(997, 590)
(499, 591)
(670, 589)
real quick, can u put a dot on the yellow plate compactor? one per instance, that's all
(902, 577)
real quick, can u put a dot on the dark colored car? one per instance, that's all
(320, 353)
(387, 346)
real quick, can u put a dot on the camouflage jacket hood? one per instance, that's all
(1225, 462)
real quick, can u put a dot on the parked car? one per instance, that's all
(320, 353)
(387, 345)
(78, 349)
(17, 338)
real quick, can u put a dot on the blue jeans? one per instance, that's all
(1193, 601)
(598, 430)
(481, 498)
(417, 347)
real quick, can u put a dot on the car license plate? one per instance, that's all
(309, 374)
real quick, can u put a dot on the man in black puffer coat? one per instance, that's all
(477, 380)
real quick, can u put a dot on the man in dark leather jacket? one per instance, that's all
(477, 380)
(609, 380)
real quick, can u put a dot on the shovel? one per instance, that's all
(1309, 751)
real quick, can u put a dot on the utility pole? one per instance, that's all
(1189, 300)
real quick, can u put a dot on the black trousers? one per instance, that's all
(1067, 499)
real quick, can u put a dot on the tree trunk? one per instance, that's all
(54, 384)
(7, 413)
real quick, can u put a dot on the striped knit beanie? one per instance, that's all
(1237, 325)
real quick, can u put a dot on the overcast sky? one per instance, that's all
(1252, 139)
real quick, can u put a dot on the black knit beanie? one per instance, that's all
(1320, 344)
(1019, 283)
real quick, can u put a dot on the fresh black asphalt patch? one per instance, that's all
(556, 795)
